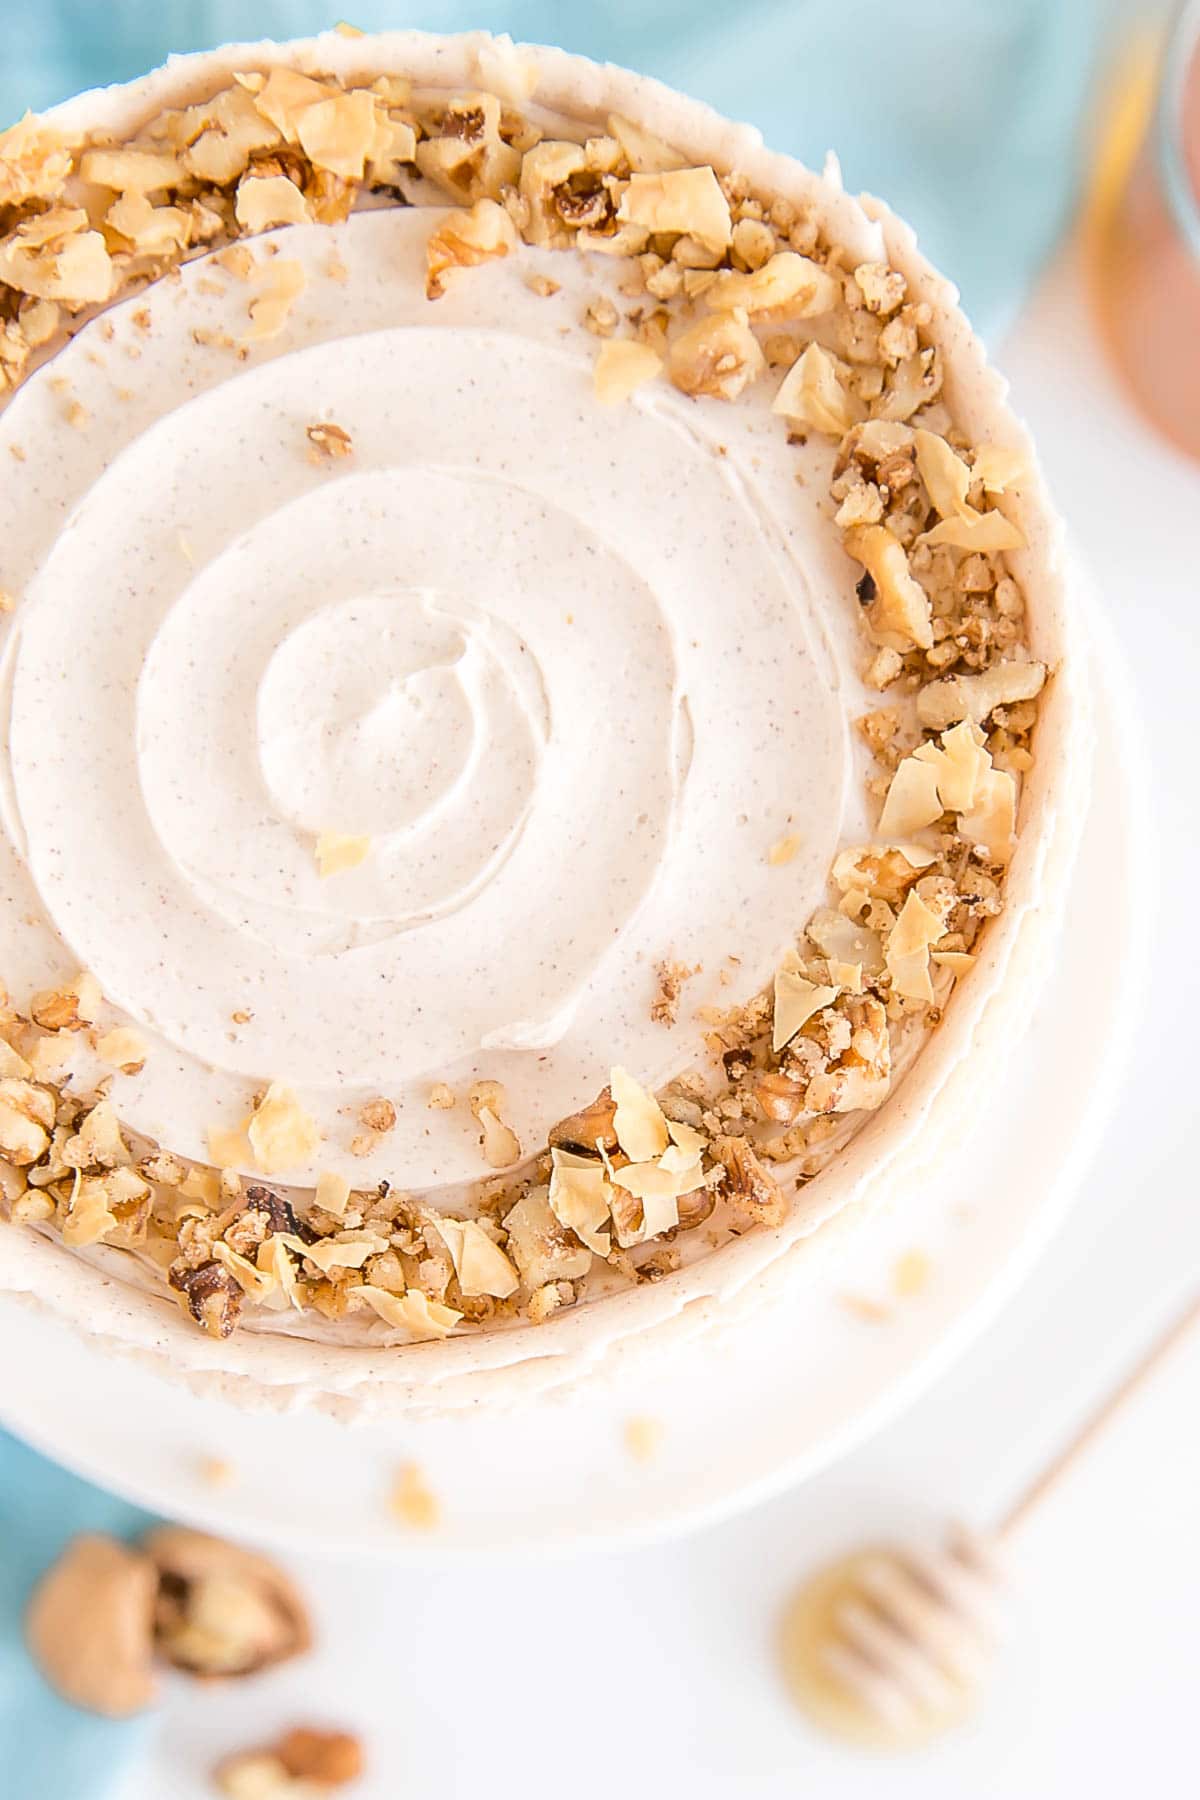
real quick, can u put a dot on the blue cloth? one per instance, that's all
(963, 114)
(49, 1750)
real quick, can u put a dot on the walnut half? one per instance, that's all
(222, 1610)
(89, 1626)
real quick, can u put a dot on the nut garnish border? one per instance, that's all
(740, 288)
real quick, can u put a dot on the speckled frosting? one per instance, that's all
(566, 690)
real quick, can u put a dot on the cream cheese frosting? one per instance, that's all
(530, 647)
(389, 772)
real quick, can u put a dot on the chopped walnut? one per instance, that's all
(814, 393)
(671, 978)
(501, 1146)
(35, 161)
(480, 1265)
(752, 1191)
(897, 609)
(330, 442)
(26, 1120)
(283, 282)
(543, 1249)
(210, 1294)
(753, 243)
(68, 1008)
(264, 201)
(281, 1133)
(377, 1115)
(470, 159)
(601, 318)
(621, 368)
(463, 240)
(862, 1075)
(589, 1131)
(717, 357)
(882, 289)
(55, 256)
(685, 201)
(786, 287)
(975, 697)
(123, 1048)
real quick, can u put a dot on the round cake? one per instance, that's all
(545, 734)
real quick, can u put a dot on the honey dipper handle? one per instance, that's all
(1052, 1473)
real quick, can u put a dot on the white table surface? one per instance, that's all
(653, 1670)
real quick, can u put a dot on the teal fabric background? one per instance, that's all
(964, 114)
(49, 1750)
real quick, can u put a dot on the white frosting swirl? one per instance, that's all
(572, 671)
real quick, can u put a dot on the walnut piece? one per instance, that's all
(501, 1145)
(716, 357)
(814, 393)
(332, 442)
(687, 201)
(753, 1192)
(543, 1250)
(304, 1764)
(377, 1115)
(587, 1131)
(622, 367)
(787, 287)
(89, 1626)
(222, 1610)
(281, 1133)
(975, 697)
(70, 1007)
(463, 240)
(898, 611)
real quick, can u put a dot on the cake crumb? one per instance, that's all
(217, 1471)
(911, 1274)
(377, 1115)
(784, 850)
(671, 977)
(413, 1501)
(441, 1097)
(335, 851)
(237, 260)
(873, 1312)
(643, 1438)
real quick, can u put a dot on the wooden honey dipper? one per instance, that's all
(887, 1647)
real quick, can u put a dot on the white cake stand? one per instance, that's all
(740, 1419)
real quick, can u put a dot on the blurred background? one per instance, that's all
(1031, 144)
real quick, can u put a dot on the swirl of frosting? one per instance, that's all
(564, 673)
